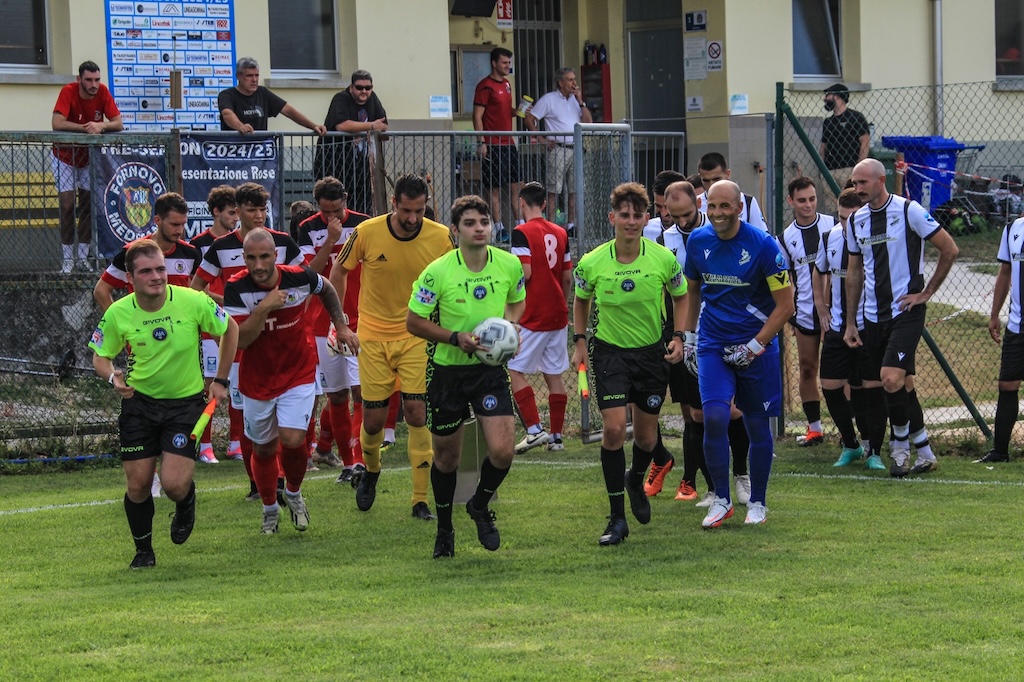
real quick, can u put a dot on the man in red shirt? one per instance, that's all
(80, 108)
(493, 110)
(277, 374)
(543, 249)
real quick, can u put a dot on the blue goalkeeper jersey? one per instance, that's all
(737, 277)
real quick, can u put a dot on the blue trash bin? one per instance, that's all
(932, 172)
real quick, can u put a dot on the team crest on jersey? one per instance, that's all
(677, 279)
(179, 440)
(219, 313)
(479, 293)
(628, 285)
(129, 198)
(489, 402)
(744, 257)
(581, 282)
(97, 337)
(780, 262)
(291, 298)
(160, 334)
(425, 296)
(521, 284)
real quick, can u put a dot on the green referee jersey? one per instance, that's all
(629, 301)
(163, 357)
(448, 293)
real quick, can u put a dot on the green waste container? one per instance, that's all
(888, 159)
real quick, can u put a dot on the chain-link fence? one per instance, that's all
(960, 153)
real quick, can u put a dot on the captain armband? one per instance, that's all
(780, 280)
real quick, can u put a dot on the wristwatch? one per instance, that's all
(223, 382)
(579, 337)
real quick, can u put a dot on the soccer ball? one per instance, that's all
(499, 338)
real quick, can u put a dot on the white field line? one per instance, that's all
(553, 464)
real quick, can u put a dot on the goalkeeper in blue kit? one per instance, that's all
(737, 272)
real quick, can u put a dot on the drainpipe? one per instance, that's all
(937, 56)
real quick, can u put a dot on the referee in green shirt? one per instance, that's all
(625, 277)
(452, 295)
(162, 389)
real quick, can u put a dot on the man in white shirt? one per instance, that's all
(560, 109)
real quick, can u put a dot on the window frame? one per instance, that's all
(1002, 63)
(836, 36)
(334, 70)
(47, 66)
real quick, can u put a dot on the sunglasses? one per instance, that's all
(363, 88)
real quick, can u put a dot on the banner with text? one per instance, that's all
(211, 159)
(127, 182)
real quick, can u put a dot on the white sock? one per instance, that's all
(815, 426)
(271, 508)
(389, 435)
(499, 227)
(83, 251)
(66, 251)
(555, 436)
(920, 441)
(205, 444)
(235, 445)
(534, 430)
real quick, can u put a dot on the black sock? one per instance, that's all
(839, 408)
(859, 405)
(188, 500)
(877, 417)
(914, 412)
(1006, 416)
(899, 413)
(661, 453)
(689, 456)
(812, 410)
(641, 460)
(739, 442)
(140, 522)
(613, 466)
(490, 478)
(443, 485)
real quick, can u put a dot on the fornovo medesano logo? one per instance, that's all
(129, 198)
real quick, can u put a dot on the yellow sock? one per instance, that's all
(421, 455)
(371, 449)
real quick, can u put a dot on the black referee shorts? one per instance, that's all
(149, 426)
(1011, 361)
(683, 386)
(629, 375)
(452, 389)
(893, 343)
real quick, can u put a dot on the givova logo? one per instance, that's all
(129, 198)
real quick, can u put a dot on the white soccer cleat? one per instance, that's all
(706, 500)
(756, 513)
(532, 440)
(721, 509)
(742, 485)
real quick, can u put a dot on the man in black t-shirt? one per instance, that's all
(247, 106)
(356, 109)
(845, 139)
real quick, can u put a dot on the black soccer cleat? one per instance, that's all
(486, 531)
(638, 502)
(421, 511)
(444, 544)
(183, 521)
(616, 532)
(366, 491)
(143, 559)
(993, 456)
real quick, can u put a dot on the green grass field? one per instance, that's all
(855, 576)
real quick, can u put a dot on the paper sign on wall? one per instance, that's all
(440, 106)
(695, 60)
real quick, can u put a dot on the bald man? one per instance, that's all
(737, 272)
(276, 376)
(886, 240)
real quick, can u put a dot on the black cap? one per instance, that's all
(839, 90)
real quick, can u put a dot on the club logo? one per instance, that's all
(653, 401)
(480, 292)
(160, 334)
(129, 198)
(179, 440)
(490, 402)
(97, 337)
(707, 252)
(744, 257)
(766, 404)
(628, 285)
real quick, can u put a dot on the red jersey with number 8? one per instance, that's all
(543, 246)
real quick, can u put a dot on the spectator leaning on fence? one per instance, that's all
(81, 108)
(560, 109)
(356, 109)
(845, 139)
(886, 240)
(246, 107)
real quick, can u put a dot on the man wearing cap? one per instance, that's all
(845, 139)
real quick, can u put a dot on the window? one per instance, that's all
(1009, 31)
(816, 39)
(23, 41)
(537, 35)
(302, 36)
(470, 64)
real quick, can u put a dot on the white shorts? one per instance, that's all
(290, 410)
(331, 370)
(210, 354)
(68, 177)
(236, 395)
(545, 352)
(560, 170)
(353, 369)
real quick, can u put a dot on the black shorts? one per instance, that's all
(150, 426)
(804, 330)
(629, 375)
(892, 343)
(452, 389)
(1011, 360)
(501, 165)
(839, 361)
(683, 386)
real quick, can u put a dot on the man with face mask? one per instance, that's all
(845, 139)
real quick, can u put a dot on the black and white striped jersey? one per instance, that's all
(654, 228)
(833, 259)
(800, 245)
(1011, 251)
(751, 212)
(891, 241)
(674, 240)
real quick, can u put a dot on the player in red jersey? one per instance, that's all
(221, 204)
(224, 259)
(277, 376)
(543, 249)
(321, 237)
